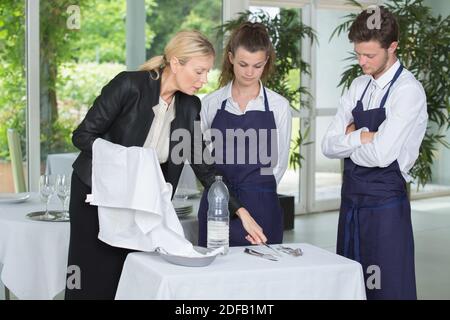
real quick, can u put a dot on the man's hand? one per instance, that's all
(255, 232)
(350, 128)
(367, 137)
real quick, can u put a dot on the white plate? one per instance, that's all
(14, 197)
(189, 261)
(187, 193)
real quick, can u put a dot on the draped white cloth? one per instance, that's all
(134, 201)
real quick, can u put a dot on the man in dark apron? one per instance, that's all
(375, 216)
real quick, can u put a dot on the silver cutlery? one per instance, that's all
(294, 252)
(276, 252)
(260, 254)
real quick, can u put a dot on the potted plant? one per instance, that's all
(424, 50)
(286, 31)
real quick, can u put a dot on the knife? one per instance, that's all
(259, 254)
(265, 244)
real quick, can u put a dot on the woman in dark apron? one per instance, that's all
(256, 191)
(375, 217)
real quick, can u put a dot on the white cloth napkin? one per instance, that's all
(134, 201)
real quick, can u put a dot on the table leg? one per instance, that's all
(7, 294)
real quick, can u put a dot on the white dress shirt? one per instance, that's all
(159, 135)
(398, 137)
(277, 104)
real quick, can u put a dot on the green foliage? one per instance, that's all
(424, 50)
(12, 71)
(213, 82)
(78, 85)
(101, 20)
(74, 63)
(171, 16)
(286, 32)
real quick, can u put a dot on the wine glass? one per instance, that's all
(63, 192)
(46, 189)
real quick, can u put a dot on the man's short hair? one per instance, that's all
(362, 31)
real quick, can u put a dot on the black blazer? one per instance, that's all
(123, 114)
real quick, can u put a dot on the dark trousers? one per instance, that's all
(100, 264)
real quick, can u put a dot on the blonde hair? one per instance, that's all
(184, 45)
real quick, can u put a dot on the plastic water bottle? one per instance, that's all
(218, 215)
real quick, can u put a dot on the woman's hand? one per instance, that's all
(255, 232)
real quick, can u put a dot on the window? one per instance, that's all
(12, 94)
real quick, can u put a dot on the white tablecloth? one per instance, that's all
(34, 253)
(60, 163)
(318, 274)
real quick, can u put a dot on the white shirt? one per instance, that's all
(159, 135)
(398, 137)
(277, 104)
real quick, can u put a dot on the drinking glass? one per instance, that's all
(46, 189)
(63, 192)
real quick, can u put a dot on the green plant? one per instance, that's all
(12, 72)
(286, 32)
(424, 50)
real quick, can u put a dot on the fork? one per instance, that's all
(295, 252)
(276, 252)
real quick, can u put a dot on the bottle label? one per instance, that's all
(218, 231)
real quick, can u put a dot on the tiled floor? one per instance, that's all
(431, 223)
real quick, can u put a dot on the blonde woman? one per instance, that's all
(138, 108)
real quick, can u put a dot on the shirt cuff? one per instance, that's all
(355, 137)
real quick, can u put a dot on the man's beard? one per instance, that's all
(382, 68)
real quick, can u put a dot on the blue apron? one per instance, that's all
(257, 193)
(375, 217)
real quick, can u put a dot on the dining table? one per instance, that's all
(33, 254)
(316, 274)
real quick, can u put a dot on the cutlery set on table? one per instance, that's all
(295, 252)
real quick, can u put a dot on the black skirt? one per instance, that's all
(99, 264)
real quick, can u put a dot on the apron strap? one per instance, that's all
(397, 74)
(266, 101)
(224, 103)
(364, 92)
(351, 228)
(352, 220)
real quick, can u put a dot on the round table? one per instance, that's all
(34, 253)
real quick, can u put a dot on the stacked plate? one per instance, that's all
(14, 197)
(182, 209)
(183, 193)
